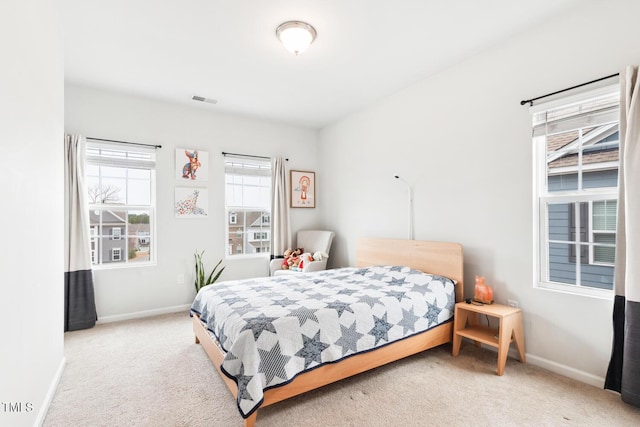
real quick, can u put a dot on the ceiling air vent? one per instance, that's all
(203, 99)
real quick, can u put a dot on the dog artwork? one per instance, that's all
(190, 168)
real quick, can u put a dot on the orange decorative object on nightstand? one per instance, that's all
(483, 292)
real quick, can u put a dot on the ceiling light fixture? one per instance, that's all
(296, 36)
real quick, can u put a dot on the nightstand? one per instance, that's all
(466, 325)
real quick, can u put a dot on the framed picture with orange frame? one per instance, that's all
(303, 189)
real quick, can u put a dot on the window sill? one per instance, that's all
(575, 290)
(245, 256)
(119, 266)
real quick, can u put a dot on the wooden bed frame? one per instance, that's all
(441, 258)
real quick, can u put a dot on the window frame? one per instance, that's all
(97, 233)
(114, 235)
(239, 213)
(542, 197)
(117, 250)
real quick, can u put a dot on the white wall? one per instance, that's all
(31, 169)
(103, 114)
(463, 140)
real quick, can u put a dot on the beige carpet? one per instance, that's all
(149, 372)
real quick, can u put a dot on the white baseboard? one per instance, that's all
(558, 368)
(50, 393)
(141, 314)
(565, 370)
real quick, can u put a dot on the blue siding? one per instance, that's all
(562, 268)
(600, 179)
(563, 182)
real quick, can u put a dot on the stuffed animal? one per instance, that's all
(319, 256)
(291, 258)
(285, 262)
(294, 259)
(304, 259)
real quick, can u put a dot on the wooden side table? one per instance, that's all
(510, 328)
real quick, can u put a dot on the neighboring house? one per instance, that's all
(140, 241)
(108, 238)
(596, 219)
(258, 233)
(249, 232)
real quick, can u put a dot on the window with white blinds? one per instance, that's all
(576, 147)
(248, 205)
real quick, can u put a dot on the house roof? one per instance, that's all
(591, 154)
(139, 229)
(108, 217)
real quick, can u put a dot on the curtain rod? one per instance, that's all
(124, 142)
(224, 153)
(530, 101)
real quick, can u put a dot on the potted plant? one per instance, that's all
(202, 279)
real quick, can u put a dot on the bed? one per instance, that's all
(382, 267)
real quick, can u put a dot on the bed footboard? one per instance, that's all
(329, 373)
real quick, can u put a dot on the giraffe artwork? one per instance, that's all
(191, 202)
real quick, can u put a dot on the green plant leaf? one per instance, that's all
(202, 279)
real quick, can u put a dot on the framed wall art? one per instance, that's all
(191, 202)
(303, 189)
(192, 164)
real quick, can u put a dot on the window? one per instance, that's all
(248, 205)
(576, 146)
(115, 233)
(121, 195)
(93, 233)
(604, 214)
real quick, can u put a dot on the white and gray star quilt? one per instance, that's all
(273, 328)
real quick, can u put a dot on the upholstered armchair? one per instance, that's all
(311, 241)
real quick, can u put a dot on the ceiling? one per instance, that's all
(227, 49)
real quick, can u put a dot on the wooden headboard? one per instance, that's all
(441, 258)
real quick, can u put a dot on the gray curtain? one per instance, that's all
(79, 300)
(623, 374)
(280, 226)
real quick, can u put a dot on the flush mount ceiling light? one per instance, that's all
(296, 36)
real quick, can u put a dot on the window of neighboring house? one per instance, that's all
(576, 146)
(120, 183)
(248, 203)
(115, 233)
(604, 215)
(93, 234)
